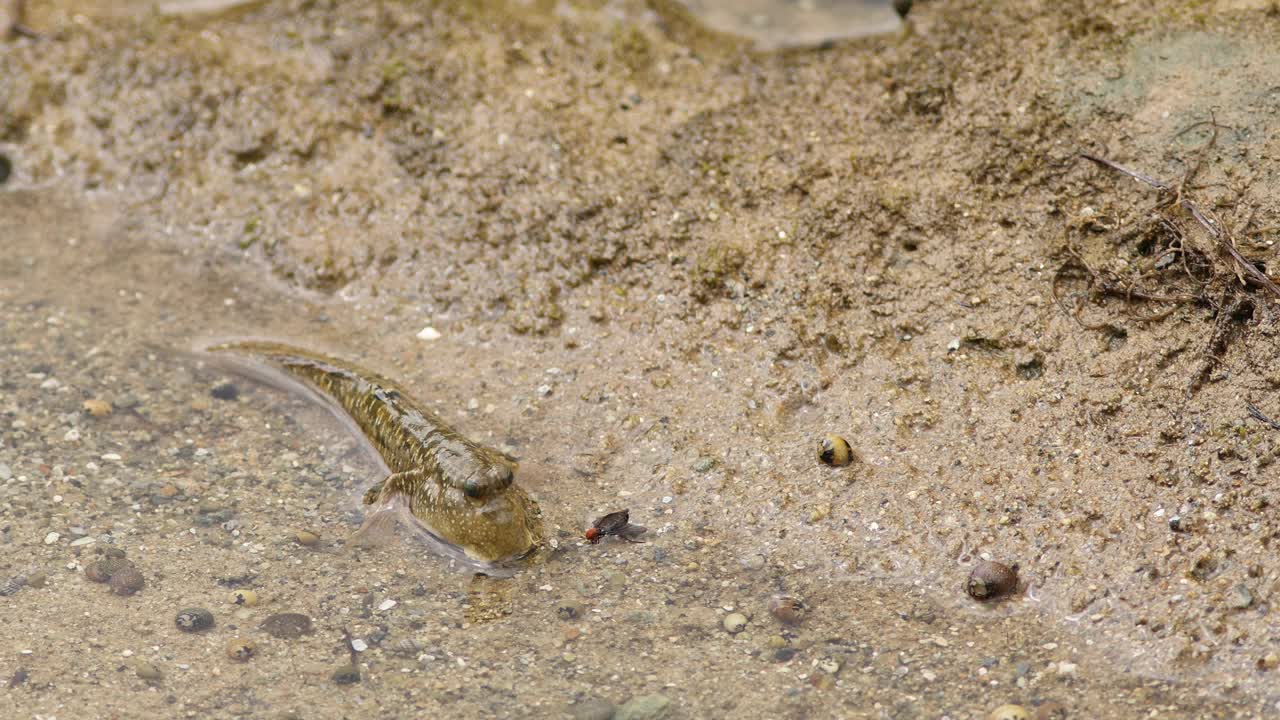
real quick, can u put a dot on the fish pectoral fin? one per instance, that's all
(393, 507)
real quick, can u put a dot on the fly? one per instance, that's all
(617, 524)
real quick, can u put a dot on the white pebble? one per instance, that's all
(359, 645)
(5, 472)
(51, 538)
(72, 435)
(86, 540)
(429, 333)
(111, 456)
(387, 604)
(50, 384)
(544, 390)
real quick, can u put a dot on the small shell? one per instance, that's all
(97, 408)
(990, 580)
(735, 623)
(102, 570)
(835, 451)
(241, 650)
(247, 598)
(1010, 712)
(786, 609)
(127, 580)
(346, 675)
(193, 620)
(287, 626)
(12, 585)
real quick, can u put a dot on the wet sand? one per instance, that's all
(663, 266)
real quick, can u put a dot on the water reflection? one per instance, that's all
(773, 24)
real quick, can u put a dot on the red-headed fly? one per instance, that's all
(616, 524)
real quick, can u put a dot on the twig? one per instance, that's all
(1131, 173)
(1257, 414)
(1242, 265)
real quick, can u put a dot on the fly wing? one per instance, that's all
(612, 523)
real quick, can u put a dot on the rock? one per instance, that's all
(346, 675)
(645, 707)
(225, 391)
(306, 538)
(37, 580)
(193, 620)
(570, 610)
(148, 671)
(591, 709)
(1239, 598)
(287, 626)
(703, 464)
(735, 623)
(247, 598)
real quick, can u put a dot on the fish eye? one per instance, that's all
(472, 489)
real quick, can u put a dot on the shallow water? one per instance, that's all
(638, 323)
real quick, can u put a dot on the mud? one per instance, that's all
(663, 265)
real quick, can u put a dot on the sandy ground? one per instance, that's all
(663, 266)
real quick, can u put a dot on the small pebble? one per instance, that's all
(386, 605)
(1239, 598)
(784, 654)
(786, 609)
(97, 408)
(148, 671)
(225, 391)
(193, 620)
(306, 538)
(570, 610)
(346, 675)
(989, 580)
(51, 538)
(126, 581)
(37, 579)
(429, 333)
(1010, 712)
(241, 650)
(703, 464)
(735, 623)
(247, 598)
(645, 707)
(592, 709)
(359, 645)
(287, 626)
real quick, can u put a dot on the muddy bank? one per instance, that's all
(663, 266)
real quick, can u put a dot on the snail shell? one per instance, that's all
(835, 451)
(786, 609)
(126, 581)
(990, 580)
(194, 620)
(1010, 712)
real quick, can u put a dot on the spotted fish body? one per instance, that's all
(461, 492)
